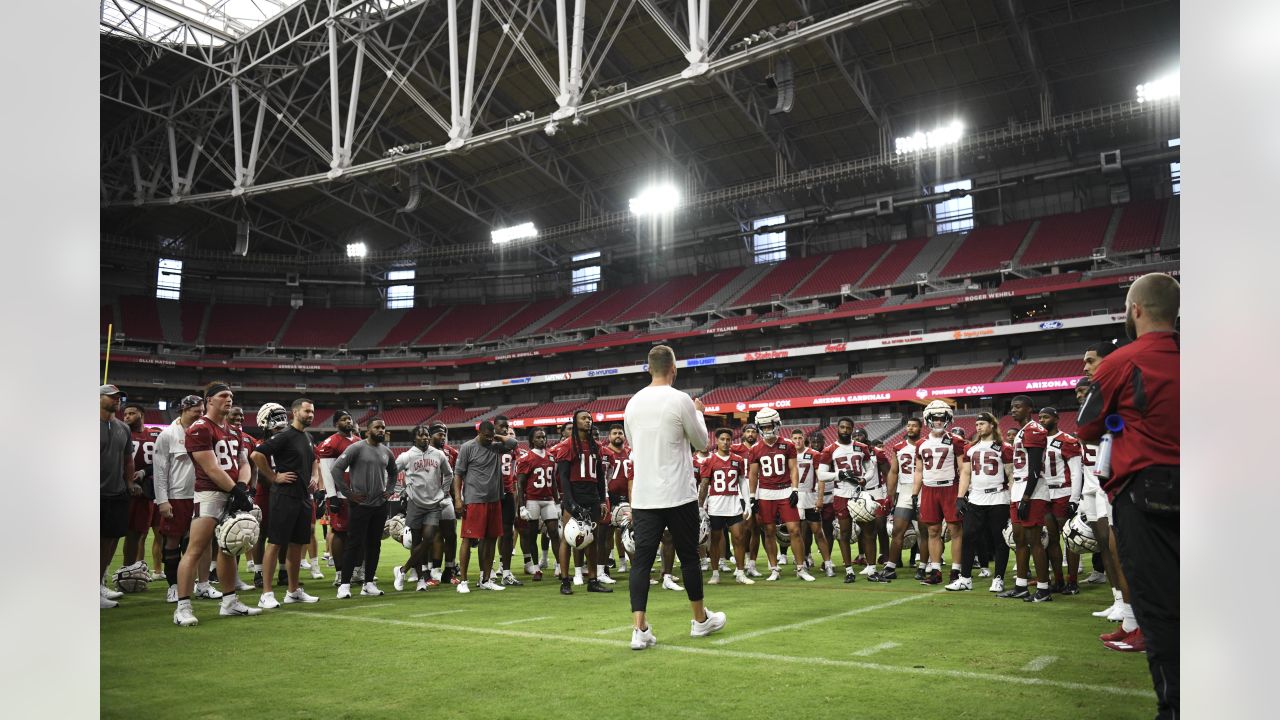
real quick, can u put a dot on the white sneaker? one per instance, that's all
(725, 566)
(742, 579)
(1096, 578)
(997, 585)
(208, 592)
(713, 623)
(110, 594)
(641, 639)
(530, 568)
(398, 582)
(490, 585)
(370, 588)
(235, 607)
(156, 577)
(606, 579)
(422, 585)
(962, 583)
(804, 575)
(715, 578)
(983, 572)
(268, 601)
(705, 565)
(462, 587)
(1106, 612)
(652, 581)
(306, 565)
(300, 596)
(105, 604)
(171, 595)
(753, 572)
(183, 617)
(622, 565)
(412, 575)
(544, 564)
(774, 575)
(316, 574)
(782, 560)
(577, 580)
(669, 583)
(436, 574)
(868, 570)
(344, 591)
(829, 569)
(242, 586)
(250, 567)
(1117, 613)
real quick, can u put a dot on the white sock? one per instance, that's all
(229, 599)
(955, 566)
(599, 570)
(1119, 596)
(1130, 623)
(185, 603)
(1020, 582)
(715, 574)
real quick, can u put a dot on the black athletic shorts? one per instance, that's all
(113, 518)
(720, 522)
(288, 520)
(508, 512)
(616, 499)
(586, 495)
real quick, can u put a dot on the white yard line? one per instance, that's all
(1040, 663)
(364, 606)
(738, 654)
(814, 621)
(438, 612)
(864, 652)
(524, 620)
(618, 629)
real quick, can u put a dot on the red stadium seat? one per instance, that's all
(244, 326)
(894, 263)
(323, 327)
(983, 249)
(1073, 236)
(779, 281)
(942, 377)
(1140, 227)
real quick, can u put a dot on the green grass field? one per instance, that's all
(803, 649)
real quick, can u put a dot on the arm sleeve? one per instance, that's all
(160, 468)
(695, 427)
(562, 472)
(1077, 479)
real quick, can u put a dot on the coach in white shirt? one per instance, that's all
(664, 426)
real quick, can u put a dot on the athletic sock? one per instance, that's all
(1130, 623)
(599, 570)
(1119, 596)
(888, 565)
(185, 602)
(955, 566)
(1020, 582)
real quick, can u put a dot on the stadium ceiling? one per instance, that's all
(311, 124)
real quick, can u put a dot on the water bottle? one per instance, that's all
(1114, 425)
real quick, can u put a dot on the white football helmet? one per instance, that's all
(237, 533)
(704, 527)
(132, 578)
(393, 527)
(621, 516)
(629, 541)
(784, 537)
(910, 536)
(273, 417)
(1079, 536)
(578, 534)
(768, 422)
(863, 508)
(1008, 536)
(938, 415)
(406, 538)
(256, 512)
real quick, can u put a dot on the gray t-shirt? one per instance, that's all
(481, 468)
(114, 441)
(373, 473)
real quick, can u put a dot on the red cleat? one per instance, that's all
(1116, 635)
(537, 575)
(1133, 642)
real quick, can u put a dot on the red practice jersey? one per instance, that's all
(222, 440)
(740, 449)
(618, 468)
(582, 469)
(775, 473)
(726, 474)
(539, 471)
(510, 462)
(144, 447)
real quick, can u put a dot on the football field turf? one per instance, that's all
(801, 649)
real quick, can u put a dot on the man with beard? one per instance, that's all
(445, 550)
(428, 479)
(116, 484)
(618, 473)
(1062, 467)
(339, 512)
(367, 486)
(141, 507)
(536, 495)
(899, 484)
(286, 460)
(1029, 503)
(175, 489)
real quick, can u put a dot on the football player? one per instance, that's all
(939, 455)
(175, 479)
(329, 450)
(1061, 454)
(428, 478)
(286, 460)
(899, 484)
(774, 490)
(878, 472)
(221, 485)
(117, 486)
(141, 507)
(984, 482)
(812, 500)
(618, 467)
(584, 494)
(507, 543)
(750, 436)
(843, 467)
(1029, 503)
(536, 495)
(367, 487)
(724, 494)
(445, 551)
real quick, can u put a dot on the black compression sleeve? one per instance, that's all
(562, 470)
(1035, 465)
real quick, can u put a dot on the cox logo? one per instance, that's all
(975, 389)
(1051, 325)
(741, 406)
(599, 417)
(922, 393)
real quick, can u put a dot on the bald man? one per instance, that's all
(1136, 389)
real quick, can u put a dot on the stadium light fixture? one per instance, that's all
(1163, 87)
(939, 137)
(522, 231)
(656, 200)
(357, 250)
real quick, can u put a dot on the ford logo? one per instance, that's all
(1051, 325)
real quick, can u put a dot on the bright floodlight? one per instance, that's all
(357, 250)
(656, 200)
(932, 140)
(1168, 86)
(515, 232)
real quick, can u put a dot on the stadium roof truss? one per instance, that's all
(419, 120)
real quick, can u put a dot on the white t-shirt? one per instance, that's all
(661, 425)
